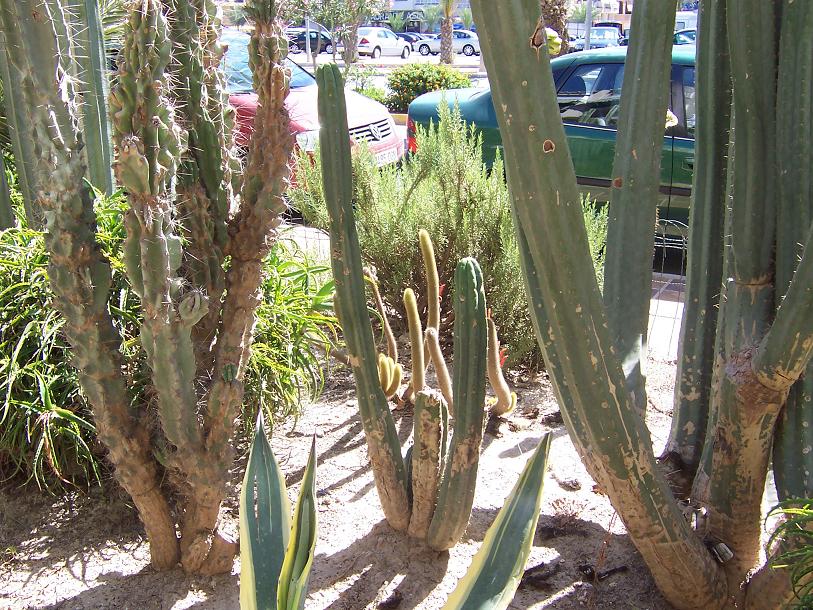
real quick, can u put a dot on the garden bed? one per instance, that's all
(88, 550)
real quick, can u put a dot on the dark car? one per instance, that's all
(319, 42)
(410, 37)
(588, 87)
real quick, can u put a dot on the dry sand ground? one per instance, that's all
(88, 551)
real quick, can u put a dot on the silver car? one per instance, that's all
(376, 42)
(463, 41)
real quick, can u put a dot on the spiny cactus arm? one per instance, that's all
(379, 428)
(560, 278)
(792, 465)
(204, 181)
(418, 380)
(506, 399)
(749, 396)
(253, 229)
(441, 370)
(432, 282)
(636, 183)
(21, 143)
(456, 494)
(392, 345)
(786, 350)
(148, 143)
(704, 272)
(429, 424)
(79, 274)
(91, 72)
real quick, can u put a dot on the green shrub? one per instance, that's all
(445, 189)
(408, 82)
(46, 428)
(374, 93)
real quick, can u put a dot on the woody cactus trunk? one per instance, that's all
(173, 160)
(747, 332)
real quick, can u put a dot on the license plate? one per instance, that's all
(386, 157)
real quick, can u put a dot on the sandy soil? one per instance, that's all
(88, 551)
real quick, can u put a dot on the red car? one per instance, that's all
(368, 121)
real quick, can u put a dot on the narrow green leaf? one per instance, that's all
(495, 571)
(265, 523)
(296, 569)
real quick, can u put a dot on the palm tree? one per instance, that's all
(447, 8)
(554, 15)
(431, 16)
(466, 18)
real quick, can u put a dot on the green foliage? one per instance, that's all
(295, 328)
(409, 81)
(796, 537)
(466, 18)
(431, 17)
(397, 22)
(445, 189)
(46, 428)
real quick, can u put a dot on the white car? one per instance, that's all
(376, 42)
(463, 41)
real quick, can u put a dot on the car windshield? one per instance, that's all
(238, 74)
(604, 33)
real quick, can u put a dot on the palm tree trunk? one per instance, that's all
(446, 55)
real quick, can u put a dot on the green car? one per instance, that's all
(589, 90)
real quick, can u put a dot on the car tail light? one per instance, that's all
(364, 41)
(412, 140)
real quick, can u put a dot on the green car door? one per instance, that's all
(589, 102)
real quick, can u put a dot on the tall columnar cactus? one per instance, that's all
(443, 471)
(764, 333)
(198, 316)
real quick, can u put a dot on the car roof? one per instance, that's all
(681, 54)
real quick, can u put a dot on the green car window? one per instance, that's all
(591, 95)
(690, 109)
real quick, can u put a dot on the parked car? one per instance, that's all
(687, 36)
(368, 120)
(600, 38)
(375, 42)
(589, 88)
(463, 41)
(319, 42)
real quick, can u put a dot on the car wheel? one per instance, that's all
(405, 53)
(376, 53)
(468, 50)
(329, 48)
(424, 49)
(293, 48)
